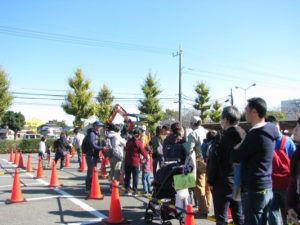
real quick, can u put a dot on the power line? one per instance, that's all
(70, 39)
(226, 77)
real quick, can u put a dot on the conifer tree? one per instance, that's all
(104, 106)
(150, 106)
(79, 101)
(202, 100)
(215, 114)
(5, 96)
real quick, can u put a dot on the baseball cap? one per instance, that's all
(98, 124)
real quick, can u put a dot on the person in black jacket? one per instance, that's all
(256, 155)
(60, 146)
(220, 170)
(92, 152)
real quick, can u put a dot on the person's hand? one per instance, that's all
(292, 217)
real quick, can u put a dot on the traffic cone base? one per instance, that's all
(124, 221)
(8, 201)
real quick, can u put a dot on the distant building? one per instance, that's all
(32, 124)
(50, 130)
(291, 108)
(6, 134)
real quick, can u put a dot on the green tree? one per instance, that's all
(278, 115)
(79, 101)
(5, 96)
(150, 106)
(169, 114)
(215, 114)
(14, 121)
(104, 106)
(202, 100)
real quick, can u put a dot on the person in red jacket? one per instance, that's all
(134, 148)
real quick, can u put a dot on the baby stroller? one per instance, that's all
(163, 197)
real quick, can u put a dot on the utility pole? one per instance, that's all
(179, 53)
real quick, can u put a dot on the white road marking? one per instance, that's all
(3, 186)
(76, 201)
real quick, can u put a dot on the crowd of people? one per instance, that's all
(254, 174)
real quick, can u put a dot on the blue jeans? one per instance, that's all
(277, 214)
(222, 202)
(91, 162)
(256, 206)
(146, 182)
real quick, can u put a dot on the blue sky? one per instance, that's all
(226, 43)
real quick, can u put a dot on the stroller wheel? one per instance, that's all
(148, 217)
(167, 223)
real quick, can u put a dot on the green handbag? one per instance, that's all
(183, 181)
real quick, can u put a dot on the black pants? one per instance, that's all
(91, 162)
(134, 170)
(60, 155)
(222, 201)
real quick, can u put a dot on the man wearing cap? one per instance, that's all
(92, 152)
(193, 148)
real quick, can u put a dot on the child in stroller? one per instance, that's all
(163, 197)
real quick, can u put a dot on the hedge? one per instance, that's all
(26, 146)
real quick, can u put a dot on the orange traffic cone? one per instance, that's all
(67, 163)
(40, 171)
(16, 193)
(11, 158)
(16, 161)
(73, 153)
(21, 163)
(189, 217)
(53, 180)
(95, 191)
(29, 164)
(83, 164)
(115, 214)
(103, 169)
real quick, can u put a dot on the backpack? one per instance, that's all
(281, 167)
(85, 146)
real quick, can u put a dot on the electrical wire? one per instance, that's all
(70, 39)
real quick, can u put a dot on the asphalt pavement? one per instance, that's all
(67, 204)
